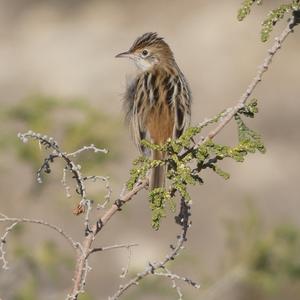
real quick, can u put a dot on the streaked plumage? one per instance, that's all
(158, 101)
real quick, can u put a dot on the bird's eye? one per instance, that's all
(145, 52)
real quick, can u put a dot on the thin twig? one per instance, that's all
(230, 112)
(80, 275)
(85, 204)
(126, 268)
(183, 221)
(104, 179)
(118, 246)
(174, 285)
(175, 276)
(50, 143)
(92, 147)
(16, 221)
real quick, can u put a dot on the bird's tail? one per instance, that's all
(157, 178)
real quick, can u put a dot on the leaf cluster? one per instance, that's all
(185, 161)
(273, 16)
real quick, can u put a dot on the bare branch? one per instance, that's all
(230, 112)
(174, 285)
(50, 143)
(183, 220)
(175, 276)
(126, 268)
(92, 147)
(85, 204)
(104, 179)
(82, 267)
(16, 221)
(80, 274)
(118, 246)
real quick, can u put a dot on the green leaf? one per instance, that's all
(158, 198)
(246, 8)
(273, 17)
(250, 140)
(220, 172)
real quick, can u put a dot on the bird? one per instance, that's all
(157, 102)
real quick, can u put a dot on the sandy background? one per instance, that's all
(65, 49)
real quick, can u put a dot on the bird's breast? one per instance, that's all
(160, 123)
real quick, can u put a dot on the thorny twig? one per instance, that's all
(183, 220)
(92, 147)
(50, 144)
(80, 274)
(82, 267)
(15, 221)
(76, 245)
(104, 179)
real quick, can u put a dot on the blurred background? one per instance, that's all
(58, 76)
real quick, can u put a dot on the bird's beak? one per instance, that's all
(124, 54)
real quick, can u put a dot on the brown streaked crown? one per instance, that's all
(147, 39)
(158, 49)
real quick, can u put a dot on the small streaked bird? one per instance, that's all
(158, 100)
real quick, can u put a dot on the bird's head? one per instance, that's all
(148, 51)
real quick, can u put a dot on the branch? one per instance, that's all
(82, 263)
(50, 143)
(85, 205)
(227, 115)
(104, 179)
(127, 246)
(230, 112)
(183, 220)
(16, 221)
(174, 285)
(85, 148)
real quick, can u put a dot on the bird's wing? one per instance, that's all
(182, 106)
(133, 100)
